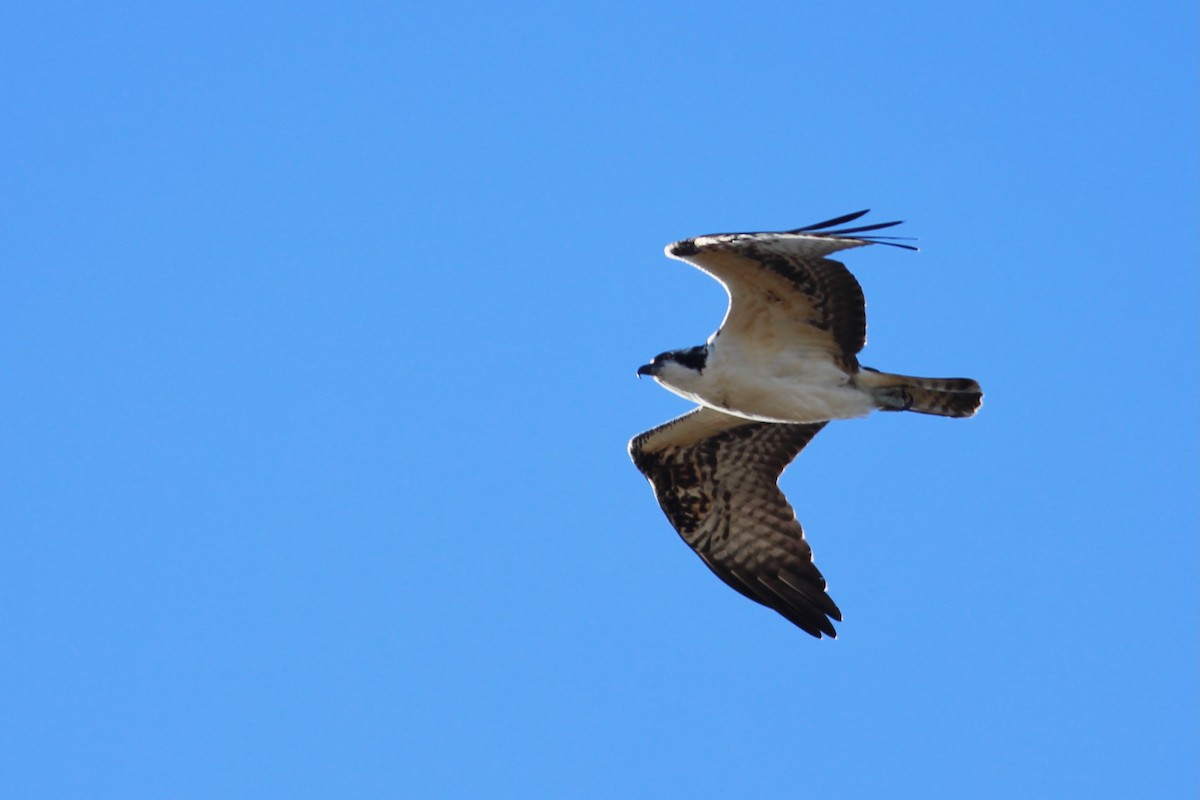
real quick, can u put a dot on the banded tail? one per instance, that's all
(945, 397)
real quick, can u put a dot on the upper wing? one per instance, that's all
(715, 477)
(782, 285)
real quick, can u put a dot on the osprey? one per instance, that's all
(783, 363)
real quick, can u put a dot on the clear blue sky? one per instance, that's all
(318, 331)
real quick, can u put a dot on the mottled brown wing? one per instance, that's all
(716, 478)
(782, 288)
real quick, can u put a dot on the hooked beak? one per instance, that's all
(646, 369)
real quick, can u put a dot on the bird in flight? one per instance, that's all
(782, 364)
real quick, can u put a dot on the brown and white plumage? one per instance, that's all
(787, 350)
(783, 362)
(807, 299)
(716, 478)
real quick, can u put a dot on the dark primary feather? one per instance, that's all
(716, 479)
(818, 229)
(829, 223)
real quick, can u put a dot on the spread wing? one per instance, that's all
(782, 286)
(716, 478)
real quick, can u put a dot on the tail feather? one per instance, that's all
(945, 397)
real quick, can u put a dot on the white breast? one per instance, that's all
(793, 386)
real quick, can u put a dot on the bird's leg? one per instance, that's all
(892, 398)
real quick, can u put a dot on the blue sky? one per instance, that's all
(318, 328)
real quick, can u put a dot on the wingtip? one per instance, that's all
(829, 228)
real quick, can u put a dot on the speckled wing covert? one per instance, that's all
(716, 478)
(782, 286)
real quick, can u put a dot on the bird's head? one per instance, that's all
(686, 364)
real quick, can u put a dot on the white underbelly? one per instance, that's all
(781, 399)
(798, 386)
(792, 402)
